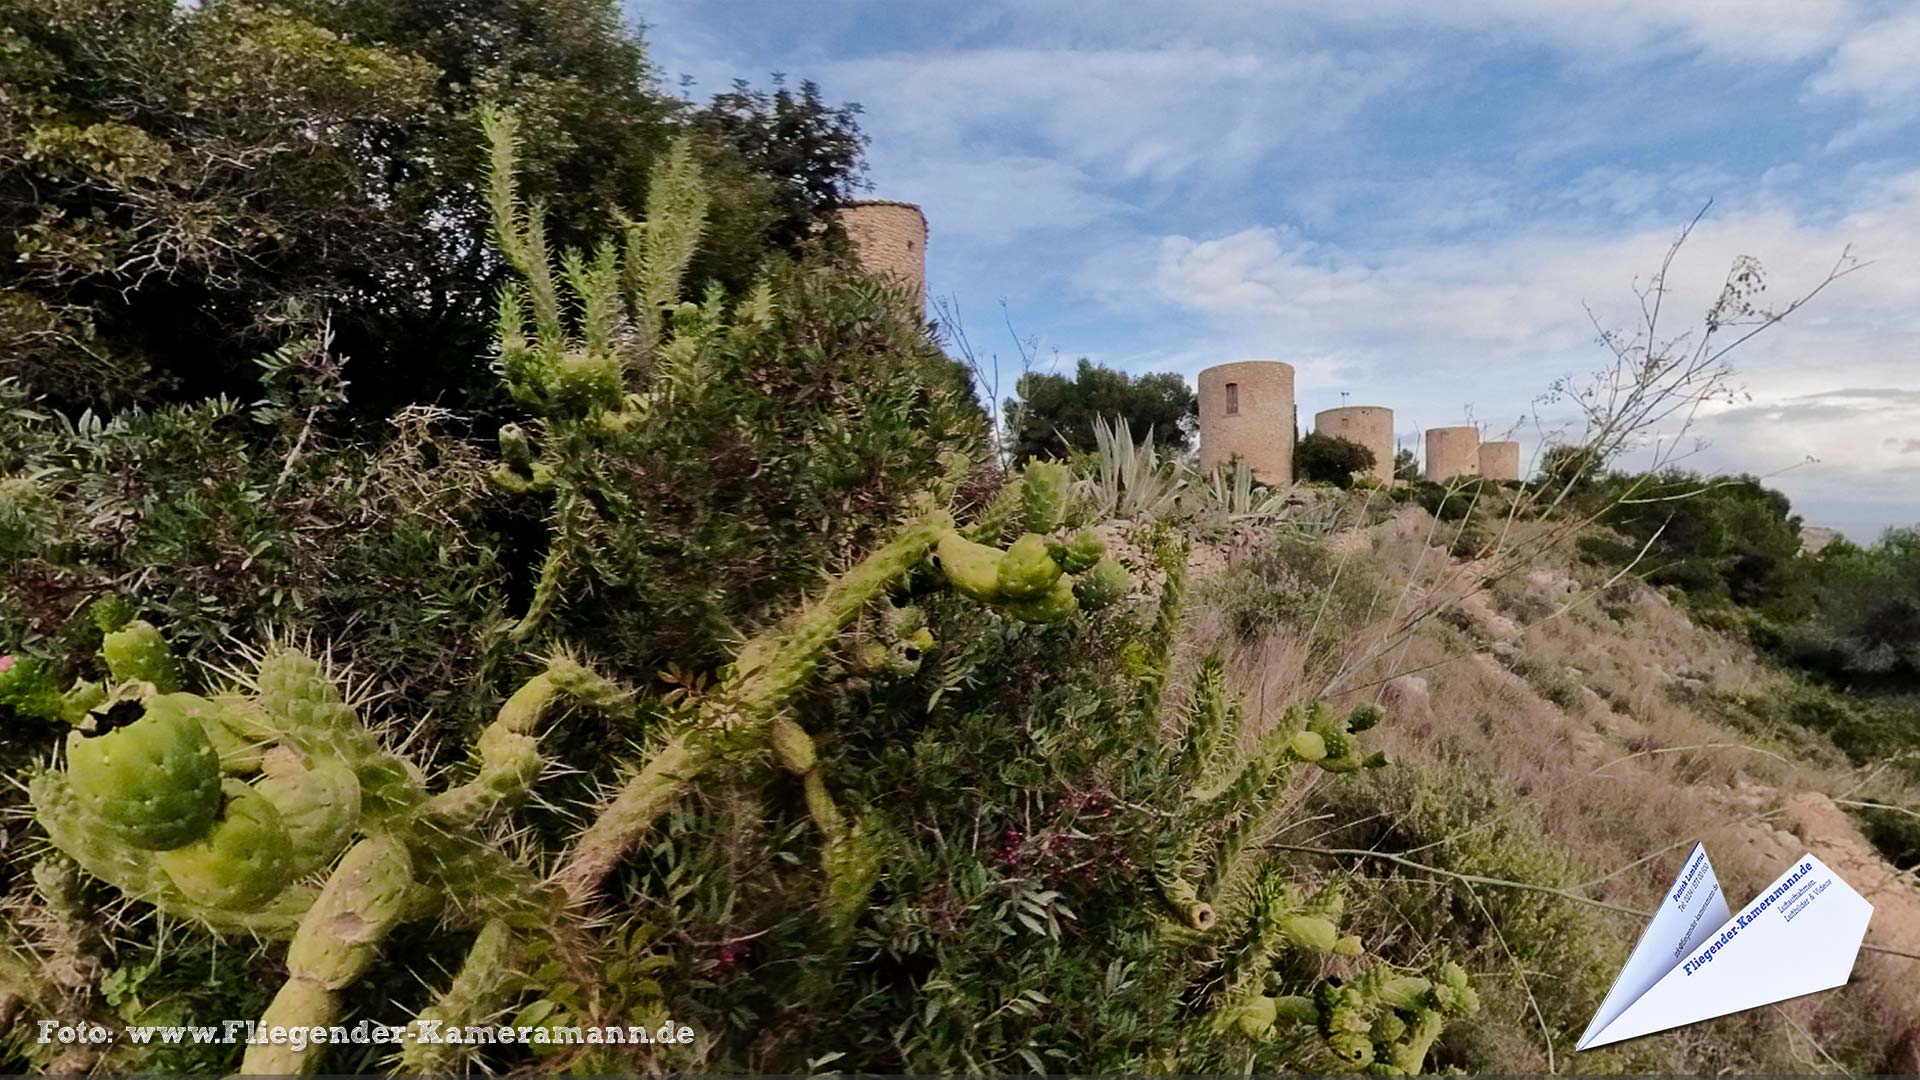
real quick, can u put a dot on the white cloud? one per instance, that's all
(1876, 66)
(1116, 116)
(1435, 329)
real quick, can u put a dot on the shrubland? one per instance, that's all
(725, 684)
(641, 621)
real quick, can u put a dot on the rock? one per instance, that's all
(1408, 696)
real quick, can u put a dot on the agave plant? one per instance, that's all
(1133, 480)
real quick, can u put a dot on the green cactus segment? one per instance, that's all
(1044, 496)
(304, 705)
(774, 665)
(241, 863)
(1007, 507)
(972, 569)
(1307, 746)
(76, 703)
(793, 747)
(338, 940)
(1184, 901)
(319, 807)
(506, 758)
(1026, 571)
(770, 669)
(1079, 552)
(363, 899)
(65, 816)
(155, 782)
(237, 730)
(1057, 604)
(1101, 585)
(483, 987)
(296, 1004)
(137, 653)
(137, 874)
(1381, 1020)
(852, 862)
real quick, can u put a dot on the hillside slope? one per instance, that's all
(1561, 732)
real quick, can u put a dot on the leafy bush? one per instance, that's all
(1330, 459)
(1054, 416)
(158, 230)
(1865, 624)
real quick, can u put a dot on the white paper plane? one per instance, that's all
(1696, 960)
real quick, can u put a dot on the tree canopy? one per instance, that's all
(1330, 459)
(184, 188)
(1052, 415)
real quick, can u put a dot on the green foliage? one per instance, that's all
(1725, 541)
(1330, 459)
(1054, 416)
(1574, 469)
(1869, 730)
(1405, 468)
(156, 225)
(1865, 623)
(1290, 584)
(811, 150)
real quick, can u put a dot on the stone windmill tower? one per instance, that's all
(889, 238)
(1246, 411)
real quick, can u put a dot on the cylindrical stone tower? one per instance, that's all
(1246, 411)
(1452, 452)
(1500, 460)
(889, 238)
(1369, 425)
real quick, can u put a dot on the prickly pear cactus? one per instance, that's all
(241, 861)
(137, 653)
(1045, 495)
(155, 783)
(319, 808)
(1038, 579)
(1101, 585)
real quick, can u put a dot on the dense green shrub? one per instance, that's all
(1721, 540)
(1330, 459)
(1865, 624)
(1054, 416)
(1290, 583)
(159, 230)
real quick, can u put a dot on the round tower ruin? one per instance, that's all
(1369, 425)
(1246, 411)
(1500, 460)
(1452, 452)
(889, 238)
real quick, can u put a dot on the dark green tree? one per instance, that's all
(1330, 459)
(1724, 540)
(1866, 619)
(812, 152)
(1052, 415)
(1404, 465)
(185, 187)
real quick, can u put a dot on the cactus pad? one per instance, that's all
(137, 653)
(319, 807)
(1044, 496)
(243, 860)
(1102, 584)
(155, 782)
(1026, 571)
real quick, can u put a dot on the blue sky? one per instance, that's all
(1413, 203)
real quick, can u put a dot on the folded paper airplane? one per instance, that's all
(1696, 960)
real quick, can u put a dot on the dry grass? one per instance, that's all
(1569, 737)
